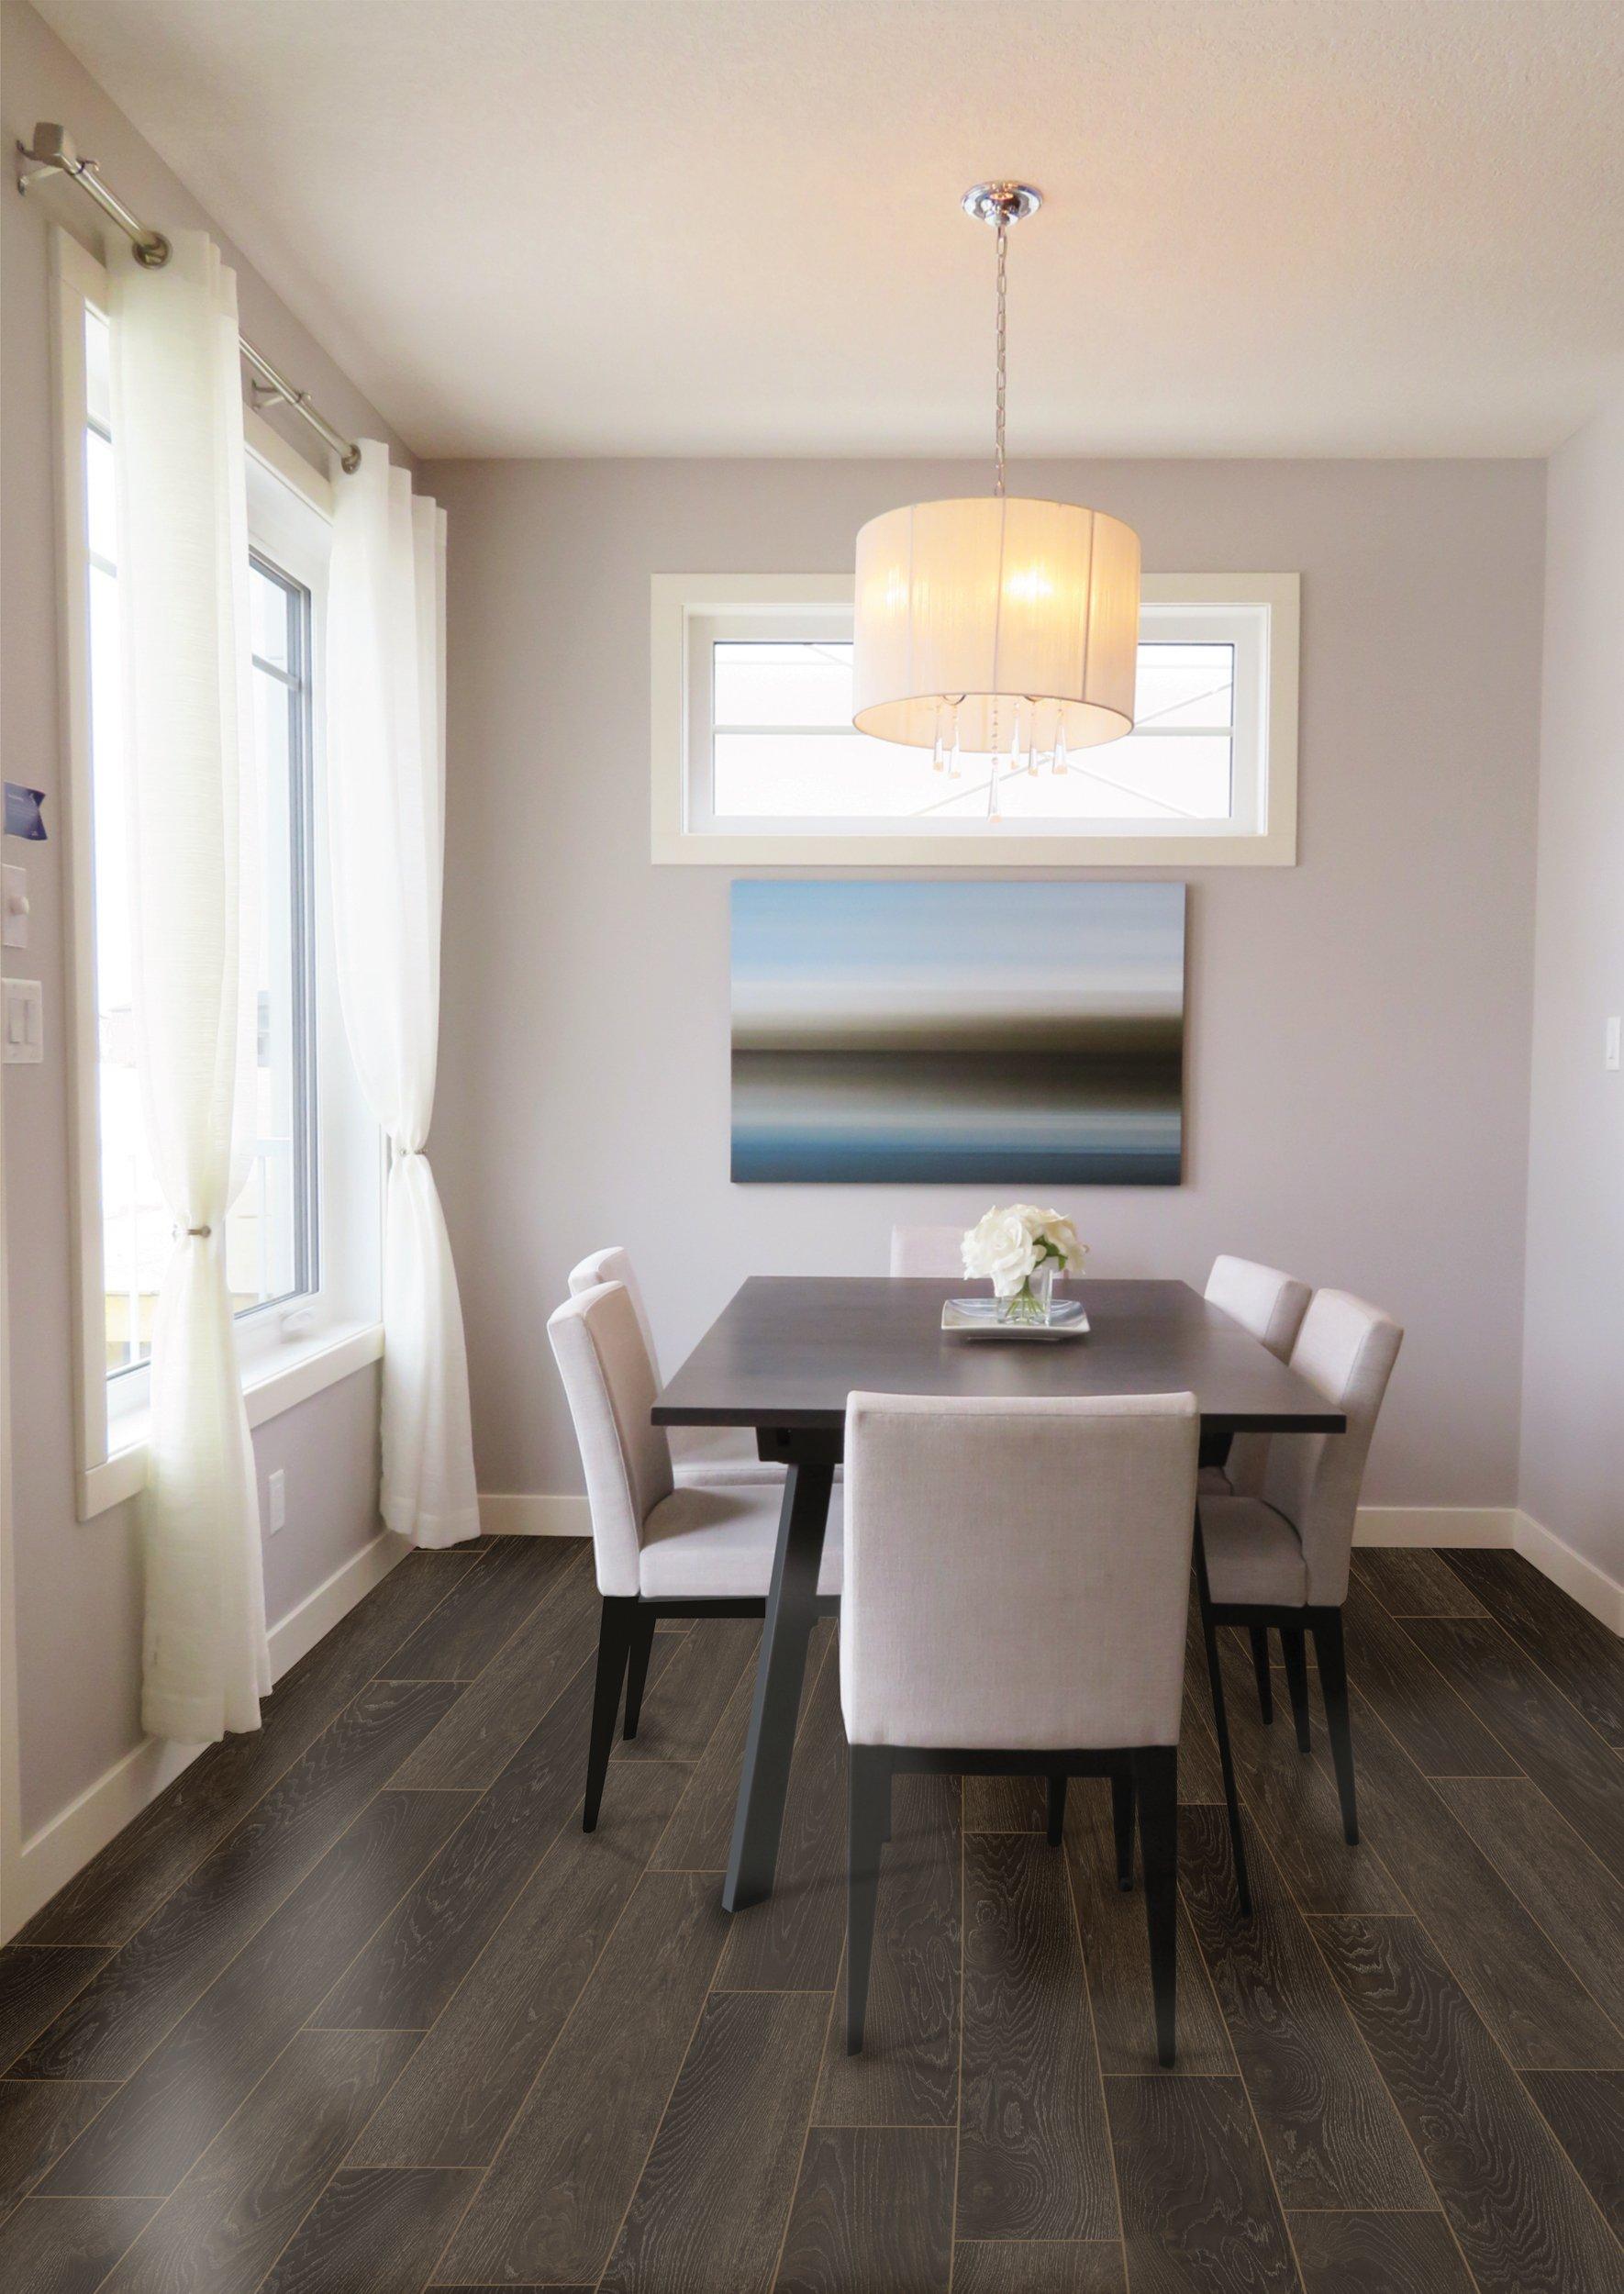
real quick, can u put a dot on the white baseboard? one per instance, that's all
(528, 1514)
(1434, 1525)
(64, 1845)
(1580, 1580)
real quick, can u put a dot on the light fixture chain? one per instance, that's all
(998, 393)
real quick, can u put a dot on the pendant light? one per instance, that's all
(996, 625)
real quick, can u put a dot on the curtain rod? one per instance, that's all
(54, 153)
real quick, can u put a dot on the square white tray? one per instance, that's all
(978, 1317)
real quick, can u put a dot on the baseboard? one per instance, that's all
(1435, 1525)
(529, 1514)
(64, 1845)
(1580, 1580)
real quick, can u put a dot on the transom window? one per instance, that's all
(756, 757)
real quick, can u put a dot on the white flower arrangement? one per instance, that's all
(1006, 1248)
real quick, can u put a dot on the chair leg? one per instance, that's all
(1155, 1778)
(1221, 1724)
(868, 1794)
(1057, 1811)
(1260, 1666)
(1326, 1629)
(614, 1645)
(636, 1668)
(1122, 1823)
(1293, 1648)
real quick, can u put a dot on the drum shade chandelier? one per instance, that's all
(998, 625)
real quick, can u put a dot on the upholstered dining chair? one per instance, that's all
(928, 1250)
(1271, 1306)
(700, 1549)
(696, 1453)
(1281, 1558)
(1017, 1584)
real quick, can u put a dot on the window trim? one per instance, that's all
(677, 599)
(288, 1350)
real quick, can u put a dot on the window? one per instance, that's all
(756, 759)
(302, 1242)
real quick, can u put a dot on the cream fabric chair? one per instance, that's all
(929, 1251)
(1271, 1306)
(702, 1453)
(1015, 1593)
(1281, 1558)
(661, 1550)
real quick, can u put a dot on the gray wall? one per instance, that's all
(1572, 1426)
(1358, 1072)
(77, 1584)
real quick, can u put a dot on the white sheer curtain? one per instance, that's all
(386, 805)
(182, 582)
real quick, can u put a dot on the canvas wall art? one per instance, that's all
(1010, 1035)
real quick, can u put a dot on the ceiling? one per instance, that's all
(732, 227)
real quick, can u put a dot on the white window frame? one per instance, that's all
(291, 1349)
(689, 610)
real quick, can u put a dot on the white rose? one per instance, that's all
(1001, 1249)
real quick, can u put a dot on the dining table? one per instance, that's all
(786, 1352)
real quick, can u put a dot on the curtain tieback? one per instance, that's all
(204, 1231)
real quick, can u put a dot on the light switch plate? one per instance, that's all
(1611, 1059)
(276, 1491)
(14, 905)
(22, 1038)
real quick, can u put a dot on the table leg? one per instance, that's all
(1215, 1676)
(790, 1613)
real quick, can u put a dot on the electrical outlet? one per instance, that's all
(277, 1489)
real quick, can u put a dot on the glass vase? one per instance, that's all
(1032, 1302)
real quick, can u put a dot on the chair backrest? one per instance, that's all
(611, 1386)
(1346, 1350)
(928, 1250)
(613, 1264)
(1016, 1572)
(1271, 1306)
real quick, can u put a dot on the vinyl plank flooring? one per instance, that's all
(40, 2119)
(1523, 1989)
(1329, 2127)
(409, 1971)
(552, 2203)
(1568, 1891)
(483, 1612)
(1414, 1582)
(373, 2231)
(36, 1985)
(1117, 1951)
(1006, 1804)
(907, 2073)
(686, 1700)
(1379, 2253)
(1439, 1730)
(67, 2246)
(495, 1713)
(1034, 2155)
(1200, 1778)
(710, 2205)
(460, 2092)
(1587, 2111)
(1523, 2219)
(1584, 1659)
(1289, 1801)
(124, 1885)
(873, 2210)
(238, 2206)
(700, 1833)
(1538, 1724)
(1199, 2214)
(144, 1989)
(1053, 2265)
(794, 1941)
(167, 2114)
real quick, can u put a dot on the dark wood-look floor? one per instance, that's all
(356, 2008)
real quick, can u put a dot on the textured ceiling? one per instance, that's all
(1274, 226)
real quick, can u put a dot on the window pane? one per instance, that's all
(268, 606)
(1186, 685)
(102, 510)
(758, 684)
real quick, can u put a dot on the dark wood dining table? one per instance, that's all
(786, 1350)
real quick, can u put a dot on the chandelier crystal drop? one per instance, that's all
(997, 625)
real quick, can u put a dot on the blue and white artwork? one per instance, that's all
(1009, 1034)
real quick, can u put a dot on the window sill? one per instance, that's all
(293, 1375)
